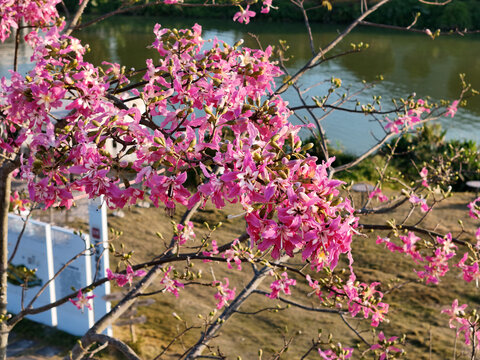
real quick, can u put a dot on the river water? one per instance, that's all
(408, 62)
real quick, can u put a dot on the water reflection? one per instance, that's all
(408, 62)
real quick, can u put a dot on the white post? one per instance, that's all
(51, 271)
(97, 211)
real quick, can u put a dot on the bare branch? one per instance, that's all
(304, 307)
(411, 228)
(329, 47)
(19, 238)
(76, 17)
(354, 330)
(119, 345)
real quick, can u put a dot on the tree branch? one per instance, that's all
(76, 17)
(304, 307)
(119, 345)
(329, 47)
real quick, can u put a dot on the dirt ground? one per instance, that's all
(414, 307)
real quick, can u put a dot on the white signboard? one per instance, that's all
(33, 252)
(50, 248)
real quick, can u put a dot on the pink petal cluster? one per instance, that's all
(436, 265)
(366, 299)
(360, 298)
(414, 199)
(224, 294)
(412, 116)
(282, 284)
(127, 278)
(338, 352)
(423, 175)
(236, 253)
(266, 6)
(474, 209)
(17, 203)
(466, 323)
(387, 347)
(82, 301)
(31, 12)
(455, 312)
(171, 285)
(214, 251)
(244, 15)
(470, 272)
(196, 96)
(378, 193)
(452, 109)
(184, 233)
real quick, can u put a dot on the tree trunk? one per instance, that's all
(5, 185)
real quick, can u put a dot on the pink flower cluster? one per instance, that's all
(18, 204)
(336, 352)
(466, 323)
(435, 265)
(470, 272)
(282, 284)
(171, 285)
(386, 348)
(192, 99)
(424, 175)
(359, 297)
(236, 253)
(127, 278)
(378, 193)
(452, 109)
(244, 15)
(474, 209)
(184, 233)
(224, 294)
(214, 251)
(82, 301)
(414, 199)
(31, 12)
(412, 116)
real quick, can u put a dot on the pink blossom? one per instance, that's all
(224, 294)
(423, 175)
(386, 346)
(282, 284)
(266, 6)
(127, 278)
(414, 199)
(184, 233)
(337, 353)
(17, 203)
(452, 109)
(474, 209)
(82, 301)
(378, 192)
(454, 312)
(171, 285)
(244, 15)
(213, 252)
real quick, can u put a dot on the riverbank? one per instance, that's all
(459, 14)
